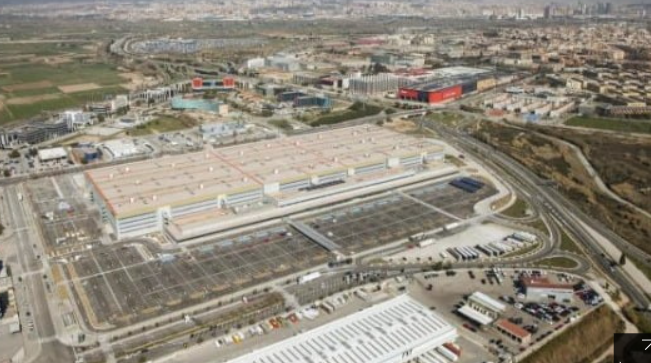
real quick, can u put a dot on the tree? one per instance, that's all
(622, 259)
(14, 154)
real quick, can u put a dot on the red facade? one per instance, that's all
(445, 94)
(229, 82)
(197, 83)
(408, 94)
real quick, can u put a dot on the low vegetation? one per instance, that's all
(630, 177)
(281, 124)
(623, 125)
(640, 319)
(558, 262)
(518, 209)
(163, 124)
(357, 110)
(583, 342)
(568, 244)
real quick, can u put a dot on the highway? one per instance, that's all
(41, 344)
(564, 212)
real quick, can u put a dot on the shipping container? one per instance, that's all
(444, 94)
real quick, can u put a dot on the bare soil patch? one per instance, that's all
(73, 88)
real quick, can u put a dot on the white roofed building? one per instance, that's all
(482, 309)
(394, 331)
(57, 153)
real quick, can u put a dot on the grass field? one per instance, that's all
(517, 210)
(30, 80)
(624, 125)
(97, 95)
(62, 74)
(19, 112)
(33, 92)
(558, 262)
(357, 110)
(568, 244)
(41, 49)
(162, 125)
(583, 342)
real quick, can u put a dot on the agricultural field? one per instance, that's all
(30, 89)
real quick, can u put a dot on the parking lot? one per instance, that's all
(68, 224)
(135, 281)
(448, 292)
(121, 284)
(380, 221)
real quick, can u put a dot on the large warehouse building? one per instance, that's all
(395, 331)
(448, 84)
(147, 196)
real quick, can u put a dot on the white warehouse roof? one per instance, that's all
(487, 301)
(52, 154)
(475, 315)
(379, 334)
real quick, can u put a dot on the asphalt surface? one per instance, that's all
(553, 203)
(41, 344)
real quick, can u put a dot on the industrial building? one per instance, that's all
(482, 308)
(144, 197)
(303, 100)
(448, 84)
(221, 129)
(513, 331)
(380, 83)
(542, 289)
(199, 104)
(395, 331)
(33, 133)
(225, 84)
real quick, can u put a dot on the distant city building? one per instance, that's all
(33, 133)
(181, 104)
(222, 129)
(76, 119)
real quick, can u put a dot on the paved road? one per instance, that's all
(558, 206)
(40, 344)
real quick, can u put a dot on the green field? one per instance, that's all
(517, 210)
(357, 110)
(97, 94)
(557, 262)
(19, 112)
(163, 124)
(34, 92)
(62, 74)
(613, 124)
(41, 49)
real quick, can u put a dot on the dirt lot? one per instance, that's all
(79, 87)
(402, 125)
(553, 160)
(32, 99)
(27, 86)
